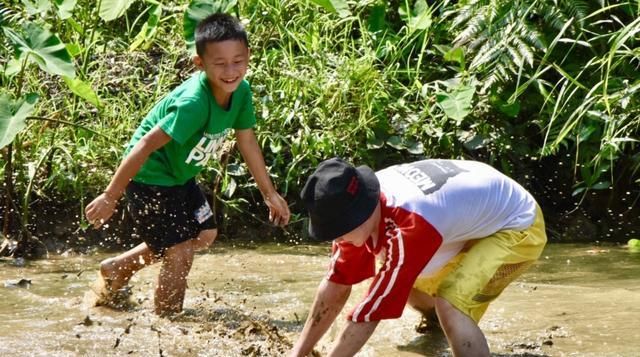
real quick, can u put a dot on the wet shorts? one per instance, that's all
(479, 273)
(165, 216)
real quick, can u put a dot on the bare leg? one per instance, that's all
(464, 336)
(118, 270)
(421, 301)
(172, 281)
(205, 239)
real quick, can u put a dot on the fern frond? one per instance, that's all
(500, 37)
(469, 10)
(524, 50)
(9, 16)
(553, 17)
(578, 9)
(487, 53)
(515, 55)
(473, 28)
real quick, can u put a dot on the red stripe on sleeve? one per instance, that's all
(410, 243)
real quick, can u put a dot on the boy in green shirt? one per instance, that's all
(169, 148)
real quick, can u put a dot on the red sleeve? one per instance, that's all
(410, 244)
(350, 264)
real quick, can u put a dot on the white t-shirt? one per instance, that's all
(429, 209)
(463, 200)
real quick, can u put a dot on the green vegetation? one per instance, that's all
(507, 82)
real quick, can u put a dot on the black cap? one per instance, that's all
(339, 198)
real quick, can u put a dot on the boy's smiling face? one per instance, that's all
(225, 64)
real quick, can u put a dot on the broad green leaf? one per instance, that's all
(414, 147)
(473, 141)
(149, 28)
(65, 8)
(112, 9)
(422, 18)
(74, 49)
(585, 173)
(376, 19)
(236, 170)
(443, 49)
(602, 185)
(13, 115)
(395, 142)
(585, 132)
(229, 188)
(456, 104)
(275, 146)
(339, 7)
(13, 67)
(37, 7)
(455, 54)
(83, 90)
(39, 45)
(373, 142)
(76, 26)
(196, 12)
(418, 18)
(578, 191)
(510, 109)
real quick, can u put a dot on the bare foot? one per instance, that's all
(109, 288)
(112, 276)
(102, 295)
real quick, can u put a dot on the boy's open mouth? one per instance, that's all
(229, 81)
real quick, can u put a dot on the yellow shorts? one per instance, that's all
(479, 273)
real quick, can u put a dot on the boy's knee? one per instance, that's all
(444, 307)
(441, 303)
(205, 239)
(107, 266)
(450, 313)
(179, 254)
(421, 301)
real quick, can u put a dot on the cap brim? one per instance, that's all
(361, 210)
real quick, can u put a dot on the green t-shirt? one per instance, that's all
(197, 126)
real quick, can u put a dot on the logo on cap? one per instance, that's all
(353, 186)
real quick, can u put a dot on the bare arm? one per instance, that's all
(248, 145)
(329, 301)
(102, 207)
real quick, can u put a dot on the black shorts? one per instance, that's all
(165, 216)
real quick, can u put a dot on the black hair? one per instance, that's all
(219, 27)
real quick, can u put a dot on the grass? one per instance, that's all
(362, 86)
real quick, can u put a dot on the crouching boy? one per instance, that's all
(451, 236)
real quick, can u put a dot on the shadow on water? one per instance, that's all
(434, 343)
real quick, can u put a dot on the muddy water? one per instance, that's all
(580, 300)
